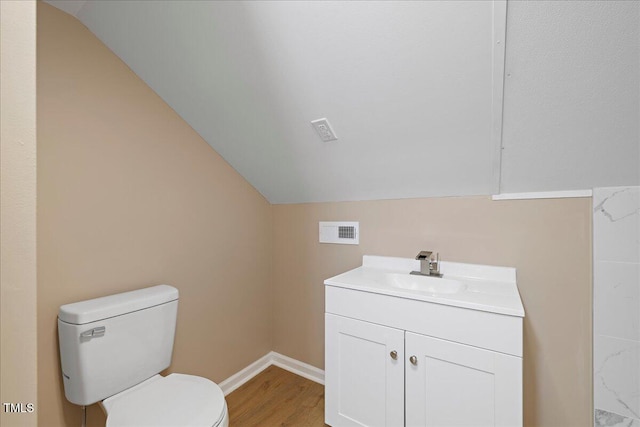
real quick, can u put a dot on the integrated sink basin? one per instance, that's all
(472, 286)
(433, 285)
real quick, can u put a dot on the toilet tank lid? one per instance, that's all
(102, 308)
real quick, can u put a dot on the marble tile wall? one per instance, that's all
(616, 306)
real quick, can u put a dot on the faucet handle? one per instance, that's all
(424, 255)
(434, 266)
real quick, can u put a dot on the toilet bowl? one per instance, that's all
(112, 350)
(174, 400)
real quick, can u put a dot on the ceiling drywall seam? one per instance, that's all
(72, 7)
(499, 75)
(82, 4)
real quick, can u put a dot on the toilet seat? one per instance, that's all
(174, 400)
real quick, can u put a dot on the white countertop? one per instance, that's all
(477, 287)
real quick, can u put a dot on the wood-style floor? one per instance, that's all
(276, 397)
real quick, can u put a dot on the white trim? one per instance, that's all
(299, 368)
(239, 378)
(272, 358)
(543, 195)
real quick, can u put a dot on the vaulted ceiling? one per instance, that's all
(419, 93)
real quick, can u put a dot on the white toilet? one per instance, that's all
(112, 350)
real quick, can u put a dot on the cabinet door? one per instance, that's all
(453, 384)
(364, 383)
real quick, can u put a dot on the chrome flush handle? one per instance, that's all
(93, 333)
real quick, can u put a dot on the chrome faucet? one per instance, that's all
(428, 266)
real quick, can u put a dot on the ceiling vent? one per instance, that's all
(324, 130)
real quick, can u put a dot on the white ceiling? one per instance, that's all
(411, 89)
(572, 95)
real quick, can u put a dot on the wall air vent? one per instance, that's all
(346, 232)
(342, 232)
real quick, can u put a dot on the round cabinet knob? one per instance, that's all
(413, 360)
(394, 355)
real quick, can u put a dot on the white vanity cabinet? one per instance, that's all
(395, 360)
(366, 362)
(452, 384)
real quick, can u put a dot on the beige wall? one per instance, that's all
(18, 209)
(130, 196)
(548, 241)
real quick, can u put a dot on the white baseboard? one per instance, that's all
(299, 368)
(239, 378)
(272, 358)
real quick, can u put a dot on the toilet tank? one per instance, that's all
(112, 343)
